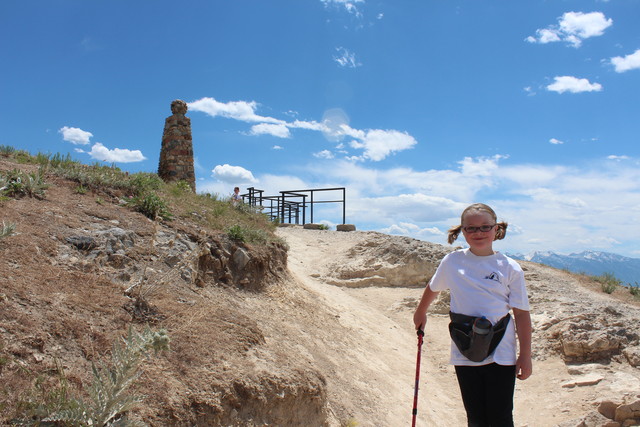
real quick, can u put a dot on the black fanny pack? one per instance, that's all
(476, 337)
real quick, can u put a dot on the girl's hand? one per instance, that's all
(420, 316)
(420, 320)
(524, 367)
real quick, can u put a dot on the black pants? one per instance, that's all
(487, 394)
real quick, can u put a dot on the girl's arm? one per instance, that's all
(524, 366)
(420, 316)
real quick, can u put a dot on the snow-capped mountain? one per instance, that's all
(590, 262)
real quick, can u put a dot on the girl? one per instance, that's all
(485, 285)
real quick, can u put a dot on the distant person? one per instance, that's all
(485, 287)
(236, 198)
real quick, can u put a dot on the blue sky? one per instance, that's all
(418, 108)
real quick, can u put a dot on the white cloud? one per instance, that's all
(233, 174)
(239, 110)
(556, 141)
(584, 25)
(417, 207)
(277, 147)
(378, 144)
(530, 176)
(410, 229)
(346, 59)
(482, 166)
(273, 184)
(117, 155)
(324, 154)
(572, 84)
(617, 158)
(349, 5)
(547, 206)
(277, 130)
(626, 63)
(75, 136)
(312, 125)
(573, 28)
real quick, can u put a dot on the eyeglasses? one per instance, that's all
(483, 228)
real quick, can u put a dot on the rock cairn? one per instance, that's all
(176, 155)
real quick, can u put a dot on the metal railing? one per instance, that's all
(291, 205)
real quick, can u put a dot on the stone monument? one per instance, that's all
(176, 154)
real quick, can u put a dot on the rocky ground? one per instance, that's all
(319, 335)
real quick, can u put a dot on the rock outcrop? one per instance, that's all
(384, 260)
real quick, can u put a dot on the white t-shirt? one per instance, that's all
(487, 286)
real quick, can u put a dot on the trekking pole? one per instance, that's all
(415, 393)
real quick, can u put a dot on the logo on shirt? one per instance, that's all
(493, 276)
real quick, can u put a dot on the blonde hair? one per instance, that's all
(501, 227)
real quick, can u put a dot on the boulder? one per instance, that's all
(588, 339)
(241, 258)
(583, 380)
(608, 408)
(82, 243)
(345, 227)
(632, 354)
(312, 226)
(629, 411)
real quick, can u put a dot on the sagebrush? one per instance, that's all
(109, 401)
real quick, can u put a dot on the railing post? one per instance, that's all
(281, 207)
(304, 209)
(344, 204)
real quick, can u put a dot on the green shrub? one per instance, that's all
(6, 150)
(608, 282)
(60, 161)
(109, 401)
(16, 183)
(236, 232)
(256, 235)
(247, 234)
(81, 189)
(211, 196)
(95, 176)
(152, 206)
(144, 182)
(22, 156)
(7, 229)
(634, 289)
(182, 187)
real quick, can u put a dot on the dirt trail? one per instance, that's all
(382, 353)
(383, 333)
